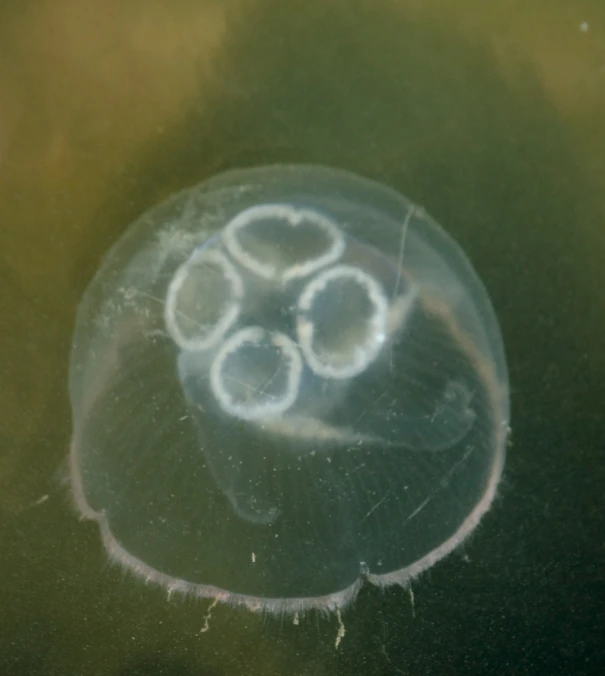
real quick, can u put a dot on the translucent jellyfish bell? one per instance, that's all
(285, 381)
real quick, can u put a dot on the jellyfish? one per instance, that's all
(285, 382)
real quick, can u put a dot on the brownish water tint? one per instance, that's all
(490, 116)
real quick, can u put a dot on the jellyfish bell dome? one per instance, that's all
(285, 381)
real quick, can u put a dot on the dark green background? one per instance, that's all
(493, 120)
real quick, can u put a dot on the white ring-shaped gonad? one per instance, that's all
(255, 335)
(292, 217)
(363, 354)
(230, 310)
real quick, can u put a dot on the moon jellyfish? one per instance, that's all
(285, 381)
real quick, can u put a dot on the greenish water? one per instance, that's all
(109, 108)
